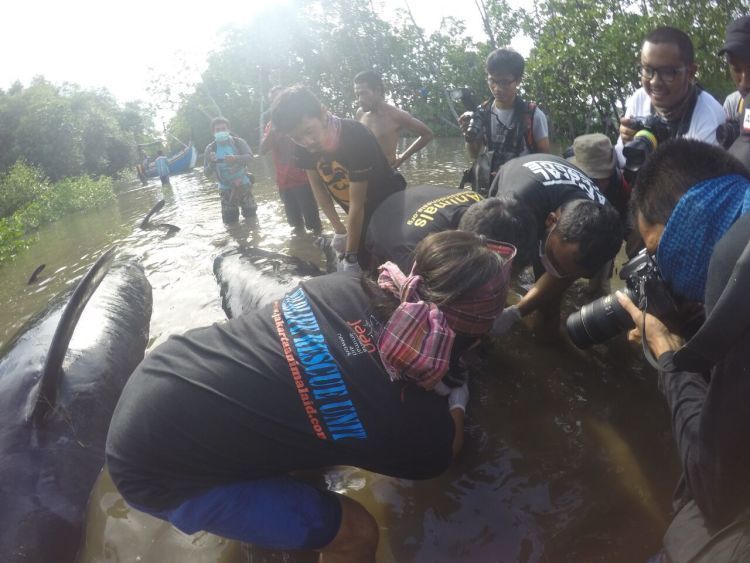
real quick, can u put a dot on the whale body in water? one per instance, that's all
(60, 379)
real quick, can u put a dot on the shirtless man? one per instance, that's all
(386, 121)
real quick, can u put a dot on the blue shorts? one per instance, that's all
(276, 513)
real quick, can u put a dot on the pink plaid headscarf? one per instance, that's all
(416, 342)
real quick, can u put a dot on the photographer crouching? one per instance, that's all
(692, 205)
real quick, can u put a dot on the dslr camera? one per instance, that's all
(727, 133)
(652, 130)
(602, 319)
(466, 97)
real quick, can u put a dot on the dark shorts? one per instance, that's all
(276, 513)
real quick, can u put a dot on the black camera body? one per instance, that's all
(652, 130)
(468, 100)
(727, 132)
(602, 319)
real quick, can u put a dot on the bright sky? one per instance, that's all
(122, 45)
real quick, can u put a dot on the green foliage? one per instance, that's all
(67, 131)
(22, 214)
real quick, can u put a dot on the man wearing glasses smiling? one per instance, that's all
(668, 89)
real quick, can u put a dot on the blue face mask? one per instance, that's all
(221, 136)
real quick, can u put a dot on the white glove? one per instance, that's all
(505, 320)
(442, 389)
(458, 398)
(339, 243)
(345, 266)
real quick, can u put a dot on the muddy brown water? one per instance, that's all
(568, 457)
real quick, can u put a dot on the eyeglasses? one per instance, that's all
(667, 73)
(501, 83)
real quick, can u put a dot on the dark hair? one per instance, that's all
(505, 61)
(452, 264)
(504, 219)
(666, 34)
(672, 170)
(217, 120)
(372, 79)
(292, 106)
(596, 228)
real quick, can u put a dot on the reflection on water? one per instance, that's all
(569, 455)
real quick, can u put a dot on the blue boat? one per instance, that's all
(180, 162)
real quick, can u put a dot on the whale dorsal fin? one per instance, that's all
(49, 382)
(154, 210)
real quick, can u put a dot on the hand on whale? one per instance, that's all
(60, 379)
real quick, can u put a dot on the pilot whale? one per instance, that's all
(60, 379)
(251, 277)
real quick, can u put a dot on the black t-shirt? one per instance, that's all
(295, 385)
(358, 158)
(405, 218)
(544, 183)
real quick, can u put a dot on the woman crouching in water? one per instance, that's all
(340, 371)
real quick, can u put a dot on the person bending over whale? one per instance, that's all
(340, 371)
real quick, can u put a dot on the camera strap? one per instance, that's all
(643, 306)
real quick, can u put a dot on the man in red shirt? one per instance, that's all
(294, 189)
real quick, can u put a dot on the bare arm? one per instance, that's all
(542, 145)
(325, 201)
(545, 290)
(356, 217)
(475, 147)
(458, 438)
(414, 125)
(265, 144)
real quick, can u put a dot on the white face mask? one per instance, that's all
(548, 266)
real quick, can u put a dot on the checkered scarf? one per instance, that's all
(416, 342)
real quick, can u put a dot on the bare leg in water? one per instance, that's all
(357, 538)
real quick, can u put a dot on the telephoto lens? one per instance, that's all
(599, 320)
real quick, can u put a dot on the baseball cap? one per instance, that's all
(737, 39)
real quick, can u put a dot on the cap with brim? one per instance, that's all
(737, 39)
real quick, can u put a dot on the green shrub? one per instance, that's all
(43, 203)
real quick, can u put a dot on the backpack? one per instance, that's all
(492, 157)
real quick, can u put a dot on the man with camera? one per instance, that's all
(505, 126)
(578, 232)
(692, 204)
(669, 104)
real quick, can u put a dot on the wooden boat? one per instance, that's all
(180, 162)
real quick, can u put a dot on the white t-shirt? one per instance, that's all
(539, 125)
(732, 104)
(707, 116)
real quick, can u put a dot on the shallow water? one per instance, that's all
(568, 455)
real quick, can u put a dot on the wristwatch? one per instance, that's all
(350, 257)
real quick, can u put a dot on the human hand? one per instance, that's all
(458, 398)
(338, 243)
(658, 336)
(399, 161)
(505, 320)
(346, 266)
(626, 133)
(463, 120)
(230, 159)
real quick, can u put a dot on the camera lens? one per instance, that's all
(637, 151)
(598, 321)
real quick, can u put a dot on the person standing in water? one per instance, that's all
(162, 168)
(227, 157)
(386, 121)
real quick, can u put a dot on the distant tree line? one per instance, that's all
(67, 131)
(581, 69)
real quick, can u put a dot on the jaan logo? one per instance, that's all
(361, 331)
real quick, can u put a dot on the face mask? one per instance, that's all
(221, 136)
(548, 267)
